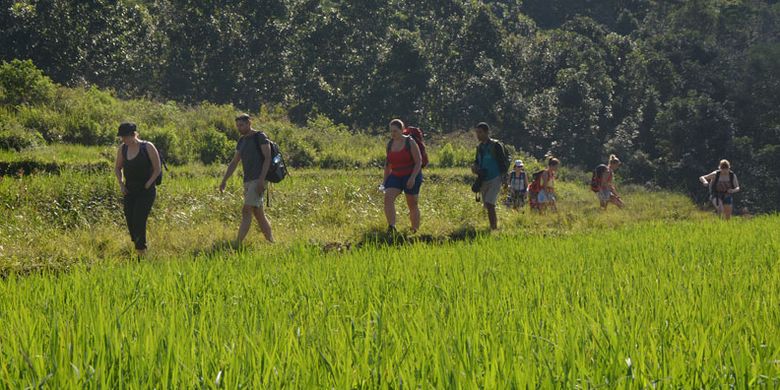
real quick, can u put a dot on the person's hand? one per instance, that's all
(123, 188)
(261, 187)
(147, 186)
(222, 186)
(706, 184)
(410, 183)
(730, 191)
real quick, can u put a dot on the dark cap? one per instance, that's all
(125, 129)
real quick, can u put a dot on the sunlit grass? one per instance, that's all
(640, 306)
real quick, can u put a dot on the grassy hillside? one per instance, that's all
(680, 304)
(56, 220)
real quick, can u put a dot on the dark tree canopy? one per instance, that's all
(672, 86)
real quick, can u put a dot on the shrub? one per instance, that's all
(167, 143)
(86, 131)
(47, 122)
(214, 147)
(450, 157)
(15, 137)
(22, 83)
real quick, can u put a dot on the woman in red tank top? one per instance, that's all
(403, 173)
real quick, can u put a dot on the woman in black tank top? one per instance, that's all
(137, 168)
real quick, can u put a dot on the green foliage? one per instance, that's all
(578, 79)
(214, 147)
(23, 83)
(450, 156)
(168, 144)
(632, 307)
(15, 137)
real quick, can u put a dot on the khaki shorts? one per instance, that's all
(490, 190)
(251, 197)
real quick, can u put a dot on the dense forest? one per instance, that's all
(670, 86)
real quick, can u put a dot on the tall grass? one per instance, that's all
(56, 220)
(680, 304)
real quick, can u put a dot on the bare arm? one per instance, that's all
(154, 156)
(736, 188)
(118, 164)
(417, 158)
(387, 171)
(705, 180)
(231, 168)
(266, 152)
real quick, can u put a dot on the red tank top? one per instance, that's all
(401, 162)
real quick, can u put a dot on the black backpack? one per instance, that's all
(278, 169)
(146, 153)
(595, 180)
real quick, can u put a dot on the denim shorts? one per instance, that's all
(546, 197)
(726, 200)
(399, 182)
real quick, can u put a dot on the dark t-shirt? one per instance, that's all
(251, 158)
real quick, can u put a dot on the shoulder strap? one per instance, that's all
(731, 179)
(257, 136)
(124, 152)
(715, 181)
(389, 146)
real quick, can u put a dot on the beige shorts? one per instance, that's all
(251, 197)
(490, 190)
(605, 195)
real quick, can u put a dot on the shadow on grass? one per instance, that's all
(379, 237)
(218, 248)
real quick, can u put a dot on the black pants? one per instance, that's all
(138, 205)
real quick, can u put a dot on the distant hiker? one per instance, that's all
(403, 172)
(254, 152)
(542, 188)
(490, 165)
(723, 184)
(518, 186)
(602, 183)
(138, 171)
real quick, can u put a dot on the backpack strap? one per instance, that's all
(407, 147)
(731, 179)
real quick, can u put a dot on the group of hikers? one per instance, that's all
(138, 170)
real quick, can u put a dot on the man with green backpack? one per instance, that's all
(490, 165)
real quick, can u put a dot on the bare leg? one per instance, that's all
(727, 210)
(414, 212)
(390, 195)
(616, 201)
(246, 223)
(718, 206)
(262, 220)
